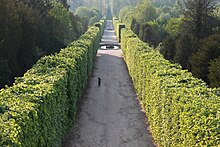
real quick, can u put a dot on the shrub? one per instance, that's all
(181, 109)
(39, 108)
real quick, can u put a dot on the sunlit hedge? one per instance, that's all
(118, 27)
(39, 108)
(181, 109)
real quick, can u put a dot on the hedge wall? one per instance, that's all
(39, 108)
(181, 109)
(118, 27)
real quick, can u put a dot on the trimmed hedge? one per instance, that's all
(39, 108)
(181, 109)
(118, 27)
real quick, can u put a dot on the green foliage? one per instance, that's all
(62, 15)
(214, 72)
(186, 45)
(168, 48)
(180, 28)
(126, 15)
(83, 12)
(142, 19)
(198, 17)
(163, 17)
(151, 32)
(39, 108)
(145, 11)
(177, 9)
(59, 12)
(181, 110)
(93, 20)
(10, 35)
(90, 15)
(31, 29)
(5, 73)
(173, 26)
(216, 12)
(100, 5)
(117, 5)
(208, 50)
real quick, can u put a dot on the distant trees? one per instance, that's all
(201, 43)
(163, 2)
(145, 12)
(188, 30)
(31, 29)
(64, 25)
(117, 5)
(203, 26)
(173, 26)
(141, 19)
(97, 4)
(108, 13)
(106, 7)
(150, 32)
(89, 16)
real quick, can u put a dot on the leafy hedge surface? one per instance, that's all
(39, 108)
(116, 24)
(181, 110)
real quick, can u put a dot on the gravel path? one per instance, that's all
(110, 115)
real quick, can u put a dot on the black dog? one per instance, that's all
(99, 81)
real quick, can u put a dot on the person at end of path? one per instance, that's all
(99, 81)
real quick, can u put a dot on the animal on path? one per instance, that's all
(99, 81)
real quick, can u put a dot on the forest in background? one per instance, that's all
(186, 32)
(35, 28)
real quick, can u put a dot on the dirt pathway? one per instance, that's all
(110, 115)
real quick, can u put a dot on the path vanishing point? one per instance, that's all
(110, 115)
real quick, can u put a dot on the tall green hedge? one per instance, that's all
(116, 23)
(39, 108)
(181, 109)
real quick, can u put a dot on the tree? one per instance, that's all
(151, 32)
(197, 17)
(83, 12)
(173, 26)
(117, 5)
(199, 61)
(61, 21)
(168, 48)
(214, 72)
(64, 2)
(90, 16)
(29, 28)
(186, 45)
(145, 12)
(124, 11)
(177, 9)
(10, 36)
